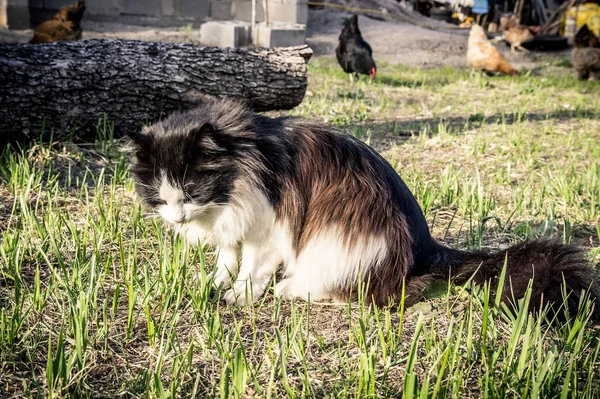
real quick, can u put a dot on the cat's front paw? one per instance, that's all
(282, 289)
(239, 294)
(222, 278)
(289, 289)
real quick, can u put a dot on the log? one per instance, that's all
(70, 86)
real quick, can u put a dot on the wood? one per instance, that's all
(70, 86)
(554, 21)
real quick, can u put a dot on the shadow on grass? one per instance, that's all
(457, 125)
(412, 83)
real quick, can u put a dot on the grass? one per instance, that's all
(97, 300)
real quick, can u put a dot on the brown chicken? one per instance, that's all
(65, 25)
(483, 56)
(506, 21)
(516, 34)
(585, 57)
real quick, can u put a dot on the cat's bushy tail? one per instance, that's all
(549, 262)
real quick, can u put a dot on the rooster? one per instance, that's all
(483, 56)
(585, 57)
(65, 25)
(353, 53)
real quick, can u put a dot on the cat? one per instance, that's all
(325, 206)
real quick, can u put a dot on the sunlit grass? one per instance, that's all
(99, 300)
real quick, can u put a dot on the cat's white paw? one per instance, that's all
(282, 289)
(288, 289)
(222, 278)
(239, 294)
(245, 292)
(233, 298)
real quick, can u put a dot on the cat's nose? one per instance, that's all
(178, 219)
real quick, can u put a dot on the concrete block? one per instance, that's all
(36, 3)
(168, 7)
(302, 13)
(221, 10)
(226, 33)
(146, 7)
(17, 16)
(3, 19)
(242, 11)
(194, 8)
(56, 4)
(290, 13)
(279, 34)
(103, 7)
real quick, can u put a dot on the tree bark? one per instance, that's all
(71, 86)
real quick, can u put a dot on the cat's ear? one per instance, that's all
(141, 140)
(202, 131)
(207, 128)
(205, 139)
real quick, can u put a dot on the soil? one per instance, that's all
(392, 41)
(404, 43)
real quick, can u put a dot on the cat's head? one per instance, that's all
(185, 165)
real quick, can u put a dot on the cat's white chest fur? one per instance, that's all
(247, 224)
(221, 226)
(216, 224)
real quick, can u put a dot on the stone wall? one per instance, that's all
(160, 12)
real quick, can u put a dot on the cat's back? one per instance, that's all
(336, 178)
(328, 149)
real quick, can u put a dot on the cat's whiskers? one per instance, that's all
(148, 186)
(203, 210)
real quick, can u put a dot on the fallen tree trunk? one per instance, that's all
(70, 86)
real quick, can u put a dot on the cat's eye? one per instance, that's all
(187, 198)
(156, 202)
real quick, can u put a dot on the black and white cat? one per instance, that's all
(323, 204)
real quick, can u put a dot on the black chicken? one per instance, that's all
(353, 53)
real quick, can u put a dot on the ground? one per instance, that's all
(98, 299)
(392, 41)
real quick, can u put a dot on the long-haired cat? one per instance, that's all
(321, 203)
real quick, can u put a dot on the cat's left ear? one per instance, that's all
(204, 138)
(202, 131)
(141, 139)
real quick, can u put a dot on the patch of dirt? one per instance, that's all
(392, 41)
(408, 44)
(6, 205)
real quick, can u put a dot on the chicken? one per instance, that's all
(353, 53)
(65, 25)
(483, 56)
(586, 38)
(506, 21)
(516, 34)
(585, 57)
